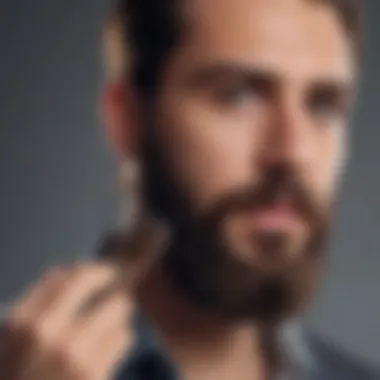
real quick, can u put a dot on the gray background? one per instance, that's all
(58, 187)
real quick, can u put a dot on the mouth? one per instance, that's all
(276, 218)
(267, 234)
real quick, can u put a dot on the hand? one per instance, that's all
(75, 324)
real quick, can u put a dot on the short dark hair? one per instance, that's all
(148, 31)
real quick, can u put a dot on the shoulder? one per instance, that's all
(335, 363)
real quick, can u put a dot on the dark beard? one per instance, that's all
(202, 265)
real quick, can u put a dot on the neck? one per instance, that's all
(194, 337)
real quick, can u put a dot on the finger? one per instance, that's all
(77, 294)
(17, 333)
(97, 339)
(38, 296)
(114, 349)
(113, 313)
(76, 350)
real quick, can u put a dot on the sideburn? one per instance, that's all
(161, 194)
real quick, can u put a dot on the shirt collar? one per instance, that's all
(149, 352)
(299, 361)
(149, 360)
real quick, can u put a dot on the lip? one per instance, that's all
(276, 218)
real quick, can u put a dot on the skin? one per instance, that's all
(225, 130)
(273, 87)
(228, 142)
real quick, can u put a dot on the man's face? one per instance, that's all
(246, 148)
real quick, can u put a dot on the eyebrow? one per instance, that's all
(333, 88)
(212, 73)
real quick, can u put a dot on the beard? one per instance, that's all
(204, 265)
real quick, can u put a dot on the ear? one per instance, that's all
(121, 118)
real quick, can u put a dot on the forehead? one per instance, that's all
(298, 38)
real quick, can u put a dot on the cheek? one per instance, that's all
(331, 163)
(211, 152)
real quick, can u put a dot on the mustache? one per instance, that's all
(279, 185)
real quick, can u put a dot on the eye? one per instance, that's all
(237, 94)
(326, 110)
(327, 105)
(234, 94)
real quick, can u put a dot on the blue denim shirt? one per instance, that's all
(150, 361)
(308, 358)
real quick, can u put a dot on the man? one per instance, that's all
(230, 119)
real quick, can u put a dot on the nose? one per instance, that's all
(288, 137)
